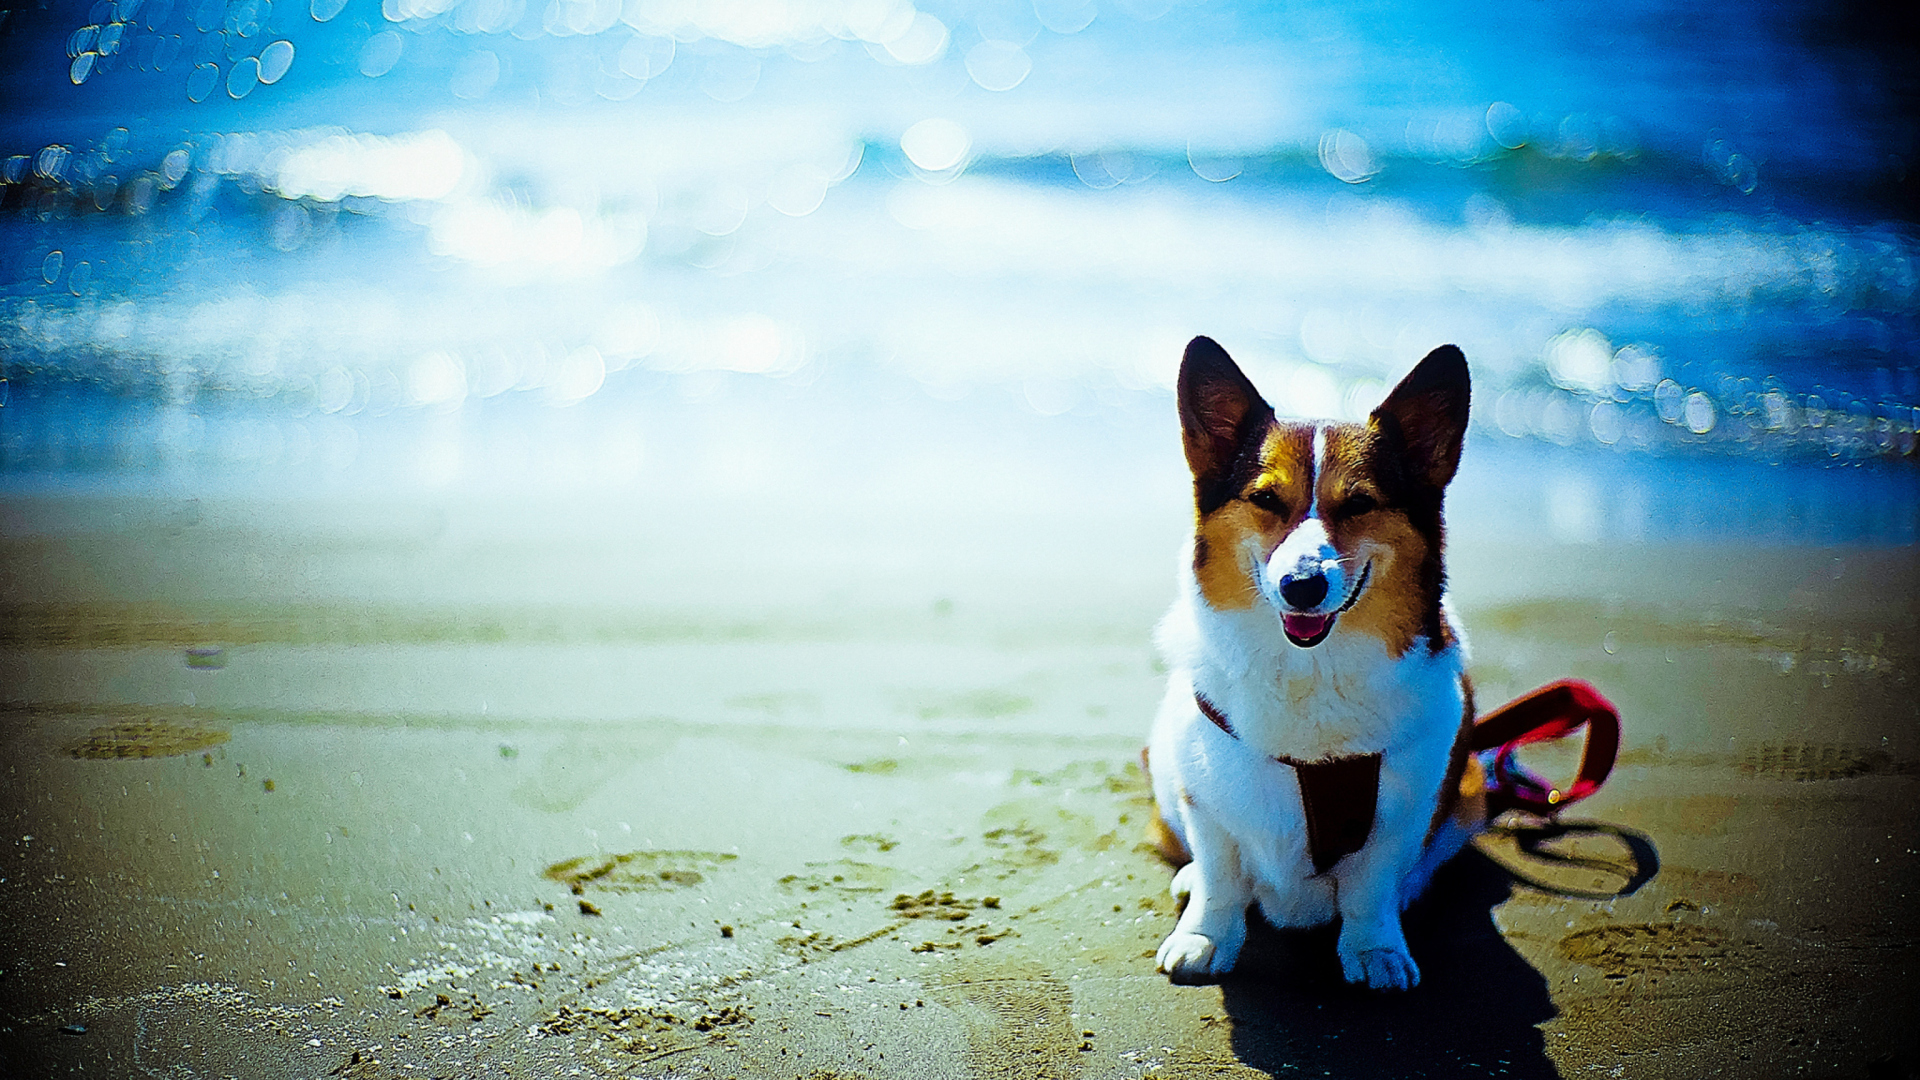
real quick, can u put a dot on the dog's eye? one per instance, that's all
(1358, 503)
(1266, 500)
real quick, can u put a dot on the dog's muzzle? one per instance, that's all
(1307, 629)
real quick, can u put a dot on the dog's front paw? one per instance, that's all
(1380, 969)
(1189, 958)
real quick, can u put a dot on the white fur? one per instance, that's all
(1239, 812)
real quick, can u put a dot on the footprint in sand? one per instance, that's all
(1018, 1018)
(844, 876)
(637, 871)
(1801, 761)
(1650, 948)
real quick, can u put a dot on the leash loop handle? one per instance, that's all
(1554, 711)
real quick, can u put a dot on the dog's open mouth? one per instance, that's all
(1307, 630)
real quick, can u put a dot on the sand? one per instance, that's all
(433, 786)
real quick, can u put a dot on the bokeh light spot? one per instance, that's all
(1581, 360)
(201, 81)
(1636, 367)
(1779, 411)
(333, 389)
(325, 10)
(242, 78)
(1347, 156)
(998, 65)
(581, 374)
(1669, 401)
(1699, 413)
(924, 42)
(244, 17)
(51, 266)
(646, 56)
(879, 21)
(1066, 16)
(51, 162)
(1213, 168)
(798, 190)
(1606, 422)
(275, 60)
(1092, 171)
(936, 144)
(1507, 125)
(380, 53)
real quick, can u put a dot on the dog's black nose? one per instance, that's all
(1303, 592)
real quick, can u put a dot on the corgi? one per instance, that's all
(1311, 753)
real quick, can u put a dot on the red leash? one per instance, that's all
(1551, 712)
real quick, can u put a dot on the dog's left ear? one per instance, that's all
(1427, 414)
(1220, 411)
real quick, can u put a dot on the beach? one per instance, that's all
(624, 539)
(842, 781)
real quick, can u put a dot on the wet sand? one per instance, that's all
(438, 787)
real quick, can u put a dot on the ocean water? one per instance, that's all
(516, 242)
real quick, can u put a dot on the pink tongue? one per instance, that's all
(1305, 626)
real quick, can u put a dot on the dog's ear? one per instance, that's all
(1426, 415)
(1219, 408)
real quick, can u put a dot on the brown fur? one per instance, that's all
(1226, 580)
(1463, 794)
(1158, 834)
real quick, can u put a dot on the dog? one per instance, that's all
(1311, 753)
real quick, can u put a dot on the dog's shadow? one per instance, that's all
(1475, 1012)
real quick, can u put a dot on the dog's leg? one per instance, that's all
(1369, 889)
(1373, 947)
(1206, 942)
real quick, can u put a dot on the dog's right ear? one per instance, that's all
(1219, 412)
(1426, 414)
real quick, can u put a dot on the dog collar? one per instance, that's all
(1339, 795)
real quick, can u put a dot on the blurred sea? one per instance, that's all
(634, 243)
